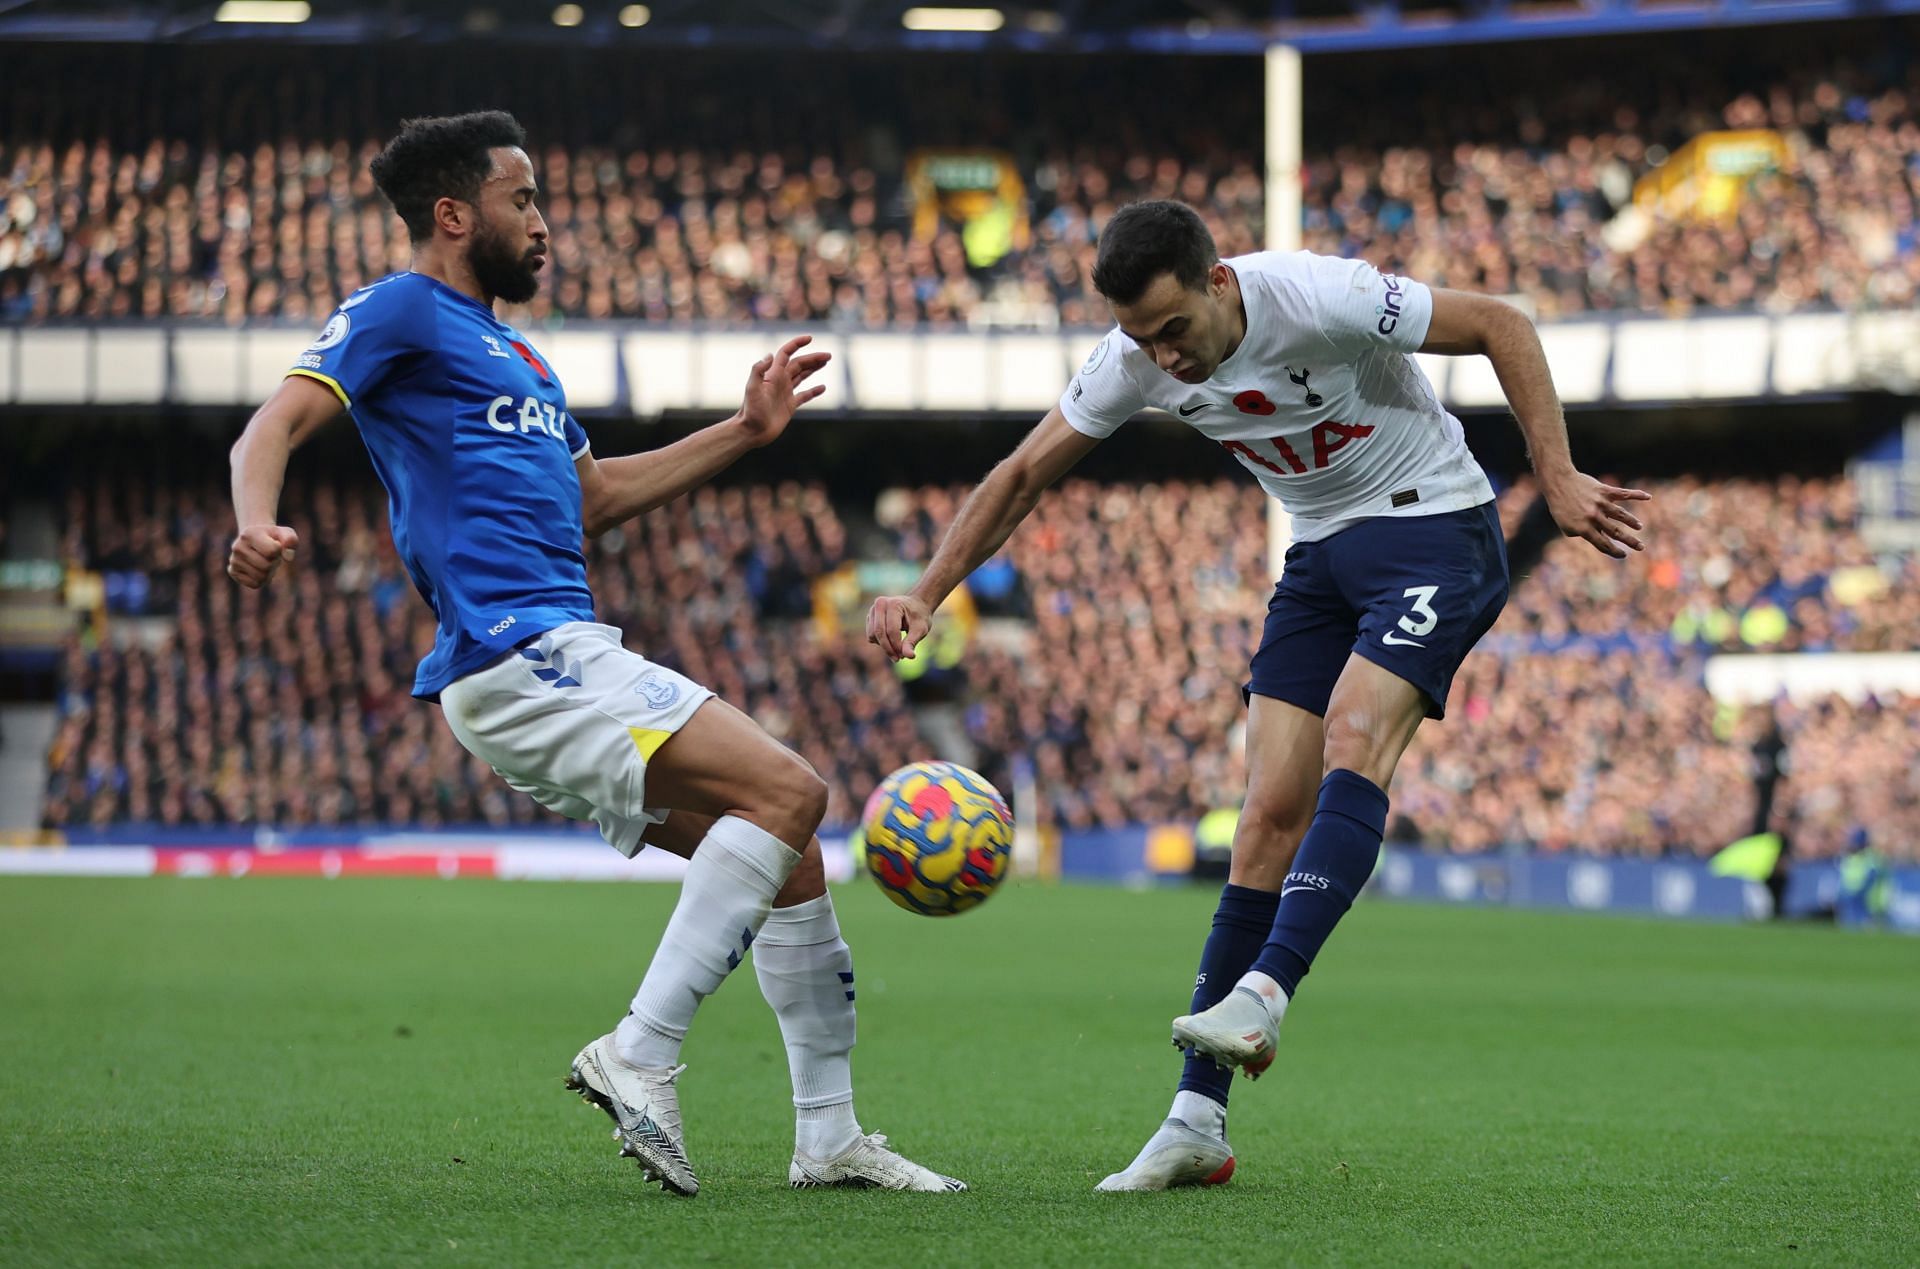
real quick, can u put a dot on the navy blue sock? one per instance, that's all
(1240, 926)
(1336, 857)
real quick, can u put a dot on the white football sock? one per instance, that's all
(724, 900)
(806, 974)
(1200, 1113)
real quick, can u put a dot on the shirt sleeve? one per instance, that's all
(577, 443)
(1360, 308)
(365, 344)
(1103, 395)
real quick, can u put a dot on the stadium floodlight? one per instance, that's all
(286, 11)
(635, 15)
(953, 19)
(568, 15)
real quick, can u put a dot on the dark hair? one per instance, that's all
(1145, 240)
(441, 157)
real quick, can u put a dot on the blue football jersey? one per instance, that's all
(469, 431)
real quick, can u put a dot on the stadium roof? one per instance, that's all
(1078, 26)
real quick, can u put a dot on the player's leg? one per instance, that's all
(598, 732)
(806, 974)
(1369, 723)
(805, 969)
(1283, 760)
(682, 832)
(761, 826)
(754, 837)
(1284, 744)
(1412, 640)
(1430, 587)
(1308, 631)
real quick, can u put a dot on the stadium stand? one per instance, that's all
(721, 219)
(230, 186)
(1485, 193)
(1144, 602)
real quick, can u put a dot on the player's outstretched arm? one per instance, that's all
(1468, 325)
(987, 518)
(614, 490)
(298, 408)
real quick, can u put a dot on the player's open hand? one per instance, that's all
(773, 389)
(897, 623)
(1587, 508)
(259, 551)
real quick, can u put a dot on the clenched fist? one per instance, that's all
(258, 551)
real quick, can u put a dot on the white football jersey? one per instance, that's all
(1321, 401)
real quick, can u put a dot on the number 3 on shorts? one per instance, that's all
(1423, 618)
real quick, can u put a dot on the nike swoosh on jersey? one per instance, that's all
(1185, 413)
(1411, 643)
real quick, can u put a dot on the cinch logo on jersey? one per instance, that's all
(1389, 309)
(533, 416)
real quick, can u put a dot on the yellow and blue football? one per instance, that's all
(937, 838)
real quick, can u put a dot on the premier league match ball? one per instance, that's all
(937, 838)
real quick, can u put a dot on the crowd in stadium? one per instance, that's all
(1738, 566)
(1134, 606)
(290, 706)
(1524, 202)
(1536, 212)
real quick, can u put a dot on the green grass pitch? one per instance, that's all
(277, 1071)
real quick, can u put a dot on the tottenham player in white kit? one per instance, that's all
(1300, 366)
(492, 484)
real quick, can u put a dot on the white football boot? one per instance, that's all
(1239, 1031)
(645, 1109)
(868, 1164)
(1177, 1155)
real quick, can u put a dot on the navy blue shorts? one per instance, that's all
(1411, 594)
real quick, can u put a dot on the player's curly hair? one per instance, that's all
(438, 157)
(1145, 240)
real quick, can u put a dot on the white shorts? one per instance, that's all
(571, 720)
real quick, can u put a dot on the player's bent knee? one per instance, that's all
(1266, 829)
(812, 799)
(794, 796)
(1264, 844)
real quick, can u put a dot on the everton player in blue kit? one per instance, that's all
(1299, 366)
(491, 486)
